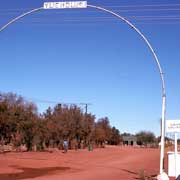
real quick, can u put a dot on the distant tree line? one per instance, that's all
(20, 123)
(145, 138)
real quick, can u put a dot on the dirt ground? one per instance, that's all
(110, 163)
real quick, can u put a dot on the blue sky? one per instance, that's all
(88, 56)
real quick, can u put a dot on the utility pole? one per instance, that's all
(86, 106)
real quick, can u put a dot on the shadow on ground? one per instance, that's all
(141, 175)
(32, 172)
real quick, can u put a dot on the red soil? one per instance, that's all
(110, 163)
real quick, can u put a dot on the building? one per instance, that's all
(129, 140)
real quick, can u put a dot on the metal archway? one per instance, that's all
(152, 51)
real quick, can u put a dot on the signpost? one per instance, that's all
(64, 5)
(173, 126)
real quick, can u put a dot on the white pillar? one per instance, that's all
(175, 154)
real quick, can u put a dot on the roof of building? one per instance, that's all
(129, 138)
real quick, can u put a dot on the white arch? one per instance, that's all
(19, 17)
(153, 53)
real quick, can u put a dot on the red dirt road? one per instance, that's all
(110, 163)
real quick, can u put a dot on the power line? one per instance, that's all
(160, 7)
(60, 102)
(86, 20)
(103, 19)
(104, 22)
(145, 5)
(55, 102)
(106, 17)
(107, 6)
(93, 11)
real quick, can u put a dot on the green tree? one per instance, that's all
(20, 123)
(17, 119)
(115, 137)
(145, 137)
(102, 130)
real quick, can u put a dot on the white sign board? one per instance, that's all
(173, 126)
(64, 5)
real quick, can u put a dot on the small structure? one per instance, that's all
(129, 140)
(173, 126)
